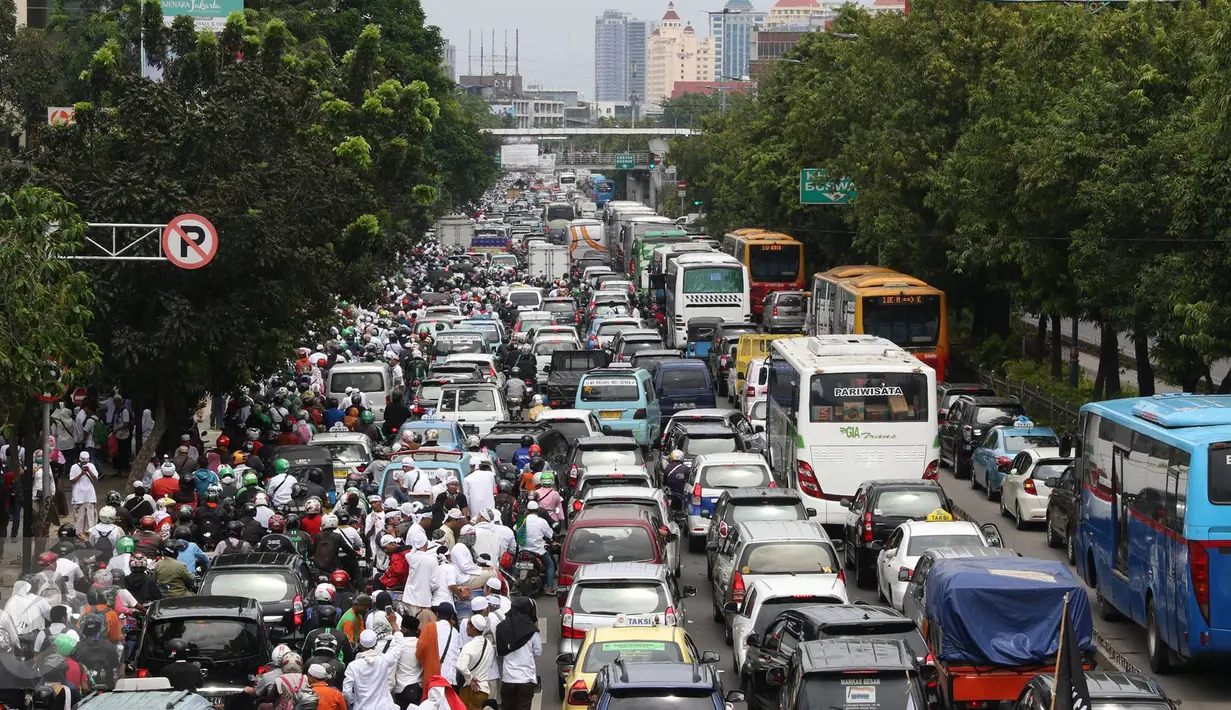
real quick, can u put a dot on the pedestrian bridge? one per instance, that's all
(569, 132)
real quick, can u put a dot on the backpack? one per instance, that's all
(50, 589)
(105, 544)
(99, 432)
(287, 694)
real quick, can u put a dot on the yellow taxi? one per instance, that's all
(643, 644)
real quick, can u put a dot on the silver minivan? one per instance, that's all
(373, 379)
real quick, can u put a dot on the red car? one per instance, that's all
(611, 535)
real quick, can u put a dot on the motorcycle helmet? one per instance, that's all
(114, 499)
(504, 486)
(324, 593)
(124, 545)
(248, 511)
(183, 533)
(184, 514)
(326, 644)
(366, 418)
(235, 528)
(329, 522)
(536, 450)
(313, 506)
(250, 479)
(92, 626)
(67, 531)
(188, 484)
(275, 656)
(342, 517)
(527, 442)
(339, 578)
(548, 478)
(224, 442)
(47, 559)
(106, 515)
(213, 494)
(137, 561)
(276, 524)
(260, 499)
(149, 523)
(537, 463)
(177, 649)
(281, 465)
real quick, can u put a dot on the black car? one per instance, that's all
(876, 510)
(743, 505)
(504, 439)
(1062, 504)
(281, 582)
(565, 371)
(969, 419)
(306, 459)
(842, 673)
(795, 628)
(225, 635)
(731, 418)
(1108, 691)
(948, 392)
(660, 679)
(650, 358)
(702, 438)
(563, 310)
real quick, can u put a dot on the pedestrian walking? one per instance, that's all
(82, 477)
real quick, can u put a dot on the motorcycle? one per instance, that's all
(529, 573)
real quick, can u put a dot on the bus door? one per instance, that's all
(1119, 511)
(1171, 611)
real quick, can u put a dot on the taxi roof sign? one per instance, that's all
(1023, 421)
(939, 515)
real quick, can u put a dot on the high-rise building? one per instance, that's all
(676, 55)
(619, 56)
(731, 30)
(800, 12)
(450, 61)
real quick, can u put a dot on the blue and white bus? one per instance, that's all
(604, 190)
(1154, 537)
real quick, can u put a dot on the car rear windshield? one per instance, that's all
(786, 557)
(505, 450)
(882, 691)
(649, 362)
(261, 585)
(469, 400)
(216, 639)
(577, 361)
(790, 300)
(1044, 470)
(696, 446)
(907, 504)
(610, 544)
(746, 511)
(362, 381)
(346, 453)
(770, 609)
(525, 298)
(610, 389)
(428, 395)
(547, 347)
(452, 346)
(619, 598)
(684, 378)
(559, 306)
(608, 481)
(604, 653)
(734, 476)
(922, 543)
(610, 457)
(1020, 442)
(998, 416)
(445, 432)
(636, 346)
(612, 328)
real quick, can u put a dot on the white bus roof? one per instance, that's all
(846, 352)
(707, 257)
(587, 222)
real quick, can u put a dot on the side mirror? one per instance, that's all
(845, 503)
(566, 659)
(688, 591)
(711, 547)
(1053, 482)
(705, 513)
(992, 533)
(759, 429)
(1012, 472)
(710, 657)
(877, 545)
(752, 640)
(731, 608)
(775, 676)
(839, 546)
(903, 575)
(811, 512)
(734, 696)
(1066, 446)
(607, 429)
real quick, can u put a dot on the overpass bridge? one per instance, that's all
(564, 133)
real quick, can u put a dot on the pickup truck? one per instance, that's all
(565, 371)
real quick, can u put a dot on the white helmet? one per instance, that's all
(260, 499)
(536, 400)
(106, 515)
(472, 440)
(167, 469)
(329, 521)
(275, 658)
(313, 505)
(677, 455)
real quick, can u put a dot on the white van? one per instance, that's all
(475, 406)
(373, 379)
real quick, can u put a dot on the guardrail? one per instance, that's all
(1061, 415)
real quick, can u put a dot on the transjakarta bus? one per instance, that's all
(882, 302)
(604, 190)
(775, 262)
(712, 284)
(1154, 537)
(844, 409)
(587, 237)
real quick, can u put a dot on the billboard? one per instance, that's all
(206, 14)
(519, 155)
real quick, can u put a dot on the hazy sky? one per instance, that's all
(557, 36)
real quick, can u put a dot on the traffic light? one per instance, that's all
(696, 203)
(653, 161)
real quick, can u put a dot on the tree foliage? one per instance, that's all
(1037, 158)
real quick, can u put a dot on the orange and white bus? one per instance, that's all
(775, 262)
(882, 302)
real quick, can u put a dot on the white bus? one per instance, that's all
(588, 236)
(568, 181)
(707, 284)
(844, 409)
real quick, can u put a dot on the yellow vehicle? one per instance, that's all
(752, 346)
(639, 644)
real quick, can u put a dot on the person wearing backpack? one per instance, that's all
(287, 686)
(122, 428)
(96, 433)
(81, 478)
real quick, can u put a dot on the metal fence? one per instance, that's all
(593, 157)
(1061, 415)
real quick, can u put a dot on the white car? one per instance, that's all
(484, 360)
(758, 413)
(895, 563)
(572, 423)
(1024, 493)
(612, 325)
(768, 597)
(547, 344)
(475, 406)
(708, 476)
(756, 384)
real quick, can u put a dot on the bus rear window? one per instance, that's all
(774, 262)
(1220, 474)
(718, 279)
(869, 397)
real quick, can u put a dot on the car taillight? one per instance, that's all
(775, 310)
(1199, 568)
(722, 529)
(932, 472)
(696, 494)
(751, 392)
(669, 616)
(577, 694)
(723, 361)
(737, 588)
(572, 473)
(640, 414)
(566, 626)
(808, 484)
(297, 606)
(966, 432)
(1003, 461)
(577, 505)
(143, 672)
(910, 571)
(262, 670)
(491, 371)
(867, 527)
(841, 574)
(1028, 486)
(527, 382)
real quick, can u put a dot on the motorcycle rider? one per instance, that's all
(521, 457)
(234, 541)
(193, 557)
(675, 477)
(281, 485)
(171, 574)
(301, 541)
(139, 582)
(538, 535)
(146, 540)
(536, 407)
(548, 497)
(531, 473)
(276, 540)
(333, 550)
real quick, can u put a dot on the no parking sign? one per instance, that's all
(189, 241)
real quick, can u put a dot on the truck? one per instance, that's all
(455, 230)
(565, 371)
(993, 623)
(550, 260)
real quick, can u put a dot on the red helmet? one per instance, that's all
(536, 450)
(47, 559)
(224, 442)
(339, 578)
(148, 523)
(276, 523)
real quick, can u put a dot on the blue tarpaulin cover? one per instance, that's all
(1003, 611)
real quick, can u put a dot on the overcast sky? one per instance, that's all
(557, 36)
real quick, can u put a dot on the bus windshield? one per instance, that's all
(713, 279)
(909, 321)
(773, 262)
(869, 397)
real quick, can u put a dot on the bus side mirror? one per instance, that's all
(1066, 446)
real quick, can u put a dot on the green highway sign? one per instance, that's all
(625, 161)
(814, 189)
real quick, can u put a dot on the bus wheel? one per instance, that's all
(1160, 655)
(1106, 611)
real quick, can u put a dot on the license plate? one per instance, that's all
(524, 565)
(611, 415)
(470, 429)
(686, 405)
(340, 473)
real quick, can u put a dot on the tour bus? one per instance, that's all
(844, 409)
(704, 285)
(775, 262)
(663, 255)
(604, 190)
(1154, 530)
(614, 216)
(587, 237)
(567, 181)
(882, 302)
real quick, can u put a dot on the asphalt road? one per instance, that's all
(1199, 688)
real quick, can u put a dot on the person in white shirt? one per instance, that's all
(366, 684)
(82, 476)
(446, 582)
(421, 566)
(484, 607)
(463, 557)
(538, 535)
(492, 537)
(518, 644)
(407, 675)
(480, 486)
(373, 527)
(474, 663)
(36, 490)
(27, 611)
(281, 486)
(106, 527)
(416, 481)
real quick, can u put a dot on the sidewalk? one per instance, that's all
(1088, 336)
